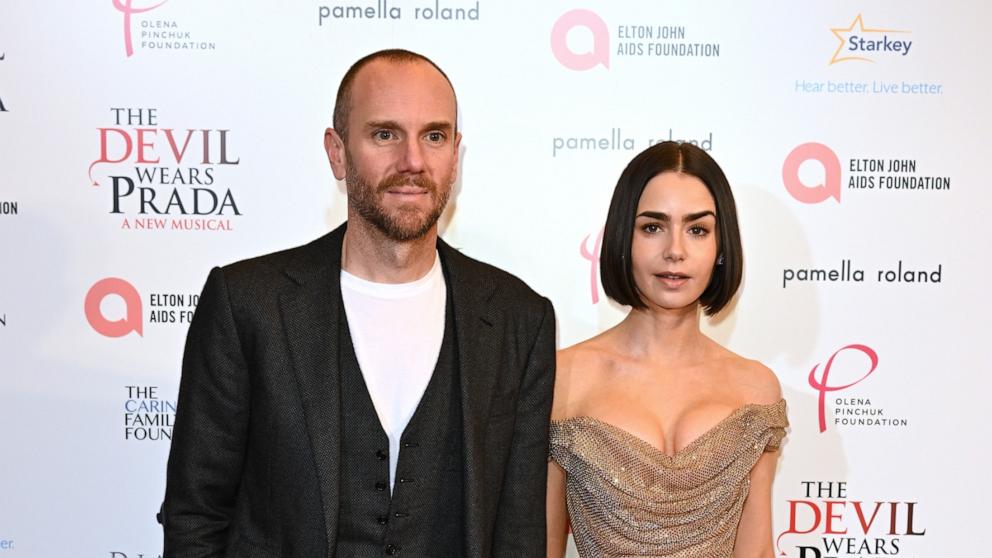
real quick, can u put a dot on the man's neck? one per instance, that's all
(370, 255)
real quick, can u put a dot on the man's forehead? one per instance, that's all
(389, 90)
(405, 74)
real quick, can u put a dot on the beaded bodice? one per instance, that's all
(627, 498)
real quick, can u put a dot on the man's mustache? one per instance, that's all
(395, 180)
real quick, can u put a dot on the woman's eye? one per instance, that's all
(698, 231)
(651, 228)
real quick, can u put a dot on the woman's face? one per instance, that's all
(674, 245)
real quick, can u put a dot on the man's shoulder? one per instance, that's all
(273, 262)
(271, 269)
(505, 286)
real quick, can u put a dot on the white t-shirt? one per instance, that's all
(397, 330)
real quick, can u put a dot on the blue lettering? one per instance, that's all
(884, 44)
(149, 406)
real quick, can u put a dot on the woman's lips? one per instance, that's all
(672, 280)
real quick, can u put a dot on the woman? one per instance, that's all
(663, 442)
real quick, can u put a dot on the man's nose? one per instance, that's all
(412, 160)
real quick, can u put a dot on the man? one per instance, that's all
(373, 392)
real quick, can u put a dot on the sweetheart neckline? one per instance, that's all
(696, 441)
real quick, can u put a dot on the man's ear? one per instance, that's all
(334, 146)
(458, 143)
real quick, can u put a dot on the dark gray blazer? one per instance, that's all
(253, 469)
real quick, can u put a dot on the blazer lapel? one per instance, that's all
(479, 350)
(310, 320)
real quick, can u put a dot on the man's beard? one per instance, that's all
(404, 223)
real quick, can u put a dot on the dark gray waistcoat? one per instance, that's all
(424, 516)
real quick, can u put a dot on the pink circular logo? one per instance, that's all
(132, 302)
(600, 53)
(830, 188)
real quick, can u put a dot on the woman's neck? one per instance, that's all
(664, 336)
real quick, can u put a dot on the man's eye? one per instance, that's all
(435, 137)
(383, 135)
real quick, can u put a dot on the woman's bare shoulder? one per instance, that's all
(580, 368)
(755, 382)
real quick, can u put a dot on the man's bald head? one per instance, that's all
(343, 103)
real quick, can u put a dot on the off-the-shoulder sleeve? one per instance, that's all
(776, 419)
(557, 442)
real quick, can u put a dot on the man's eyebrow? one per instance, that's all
(394, 125)
(387, 124)
(443, 125)
(665, 218)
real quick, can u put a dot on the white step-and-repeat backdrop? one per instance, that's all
(144, 141)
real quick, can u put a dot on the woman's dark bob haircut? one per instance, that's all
(615, 265)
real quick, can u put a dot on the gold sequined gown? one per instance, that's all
(627, 498)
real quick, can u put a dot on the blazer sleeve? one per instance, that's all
(209, 435)
(521, 528)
